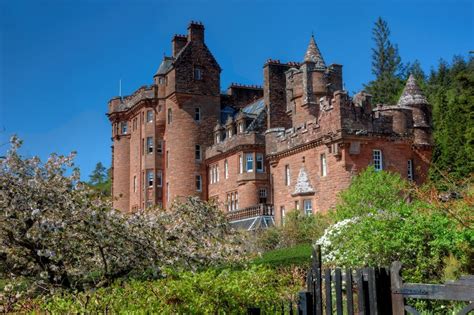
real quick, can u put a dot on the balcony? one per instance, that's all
(252, 176)
(252, 218)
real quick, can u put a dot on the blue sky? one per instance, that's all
(61, 61)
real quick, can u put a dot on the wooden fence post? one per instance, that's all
(305, 303)
(398, 304)
(338, 285)
(350, 303)
(327, 284)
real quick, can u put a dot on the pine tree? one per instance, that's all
(98, 175)
(386, 66)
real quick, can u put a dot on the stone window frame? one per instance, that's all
(150, 178)
(410, 170)
(159, 146)
(124, 127)
(159, 178)
(149, 145)
(134, 183)
(287, 175)
(149, 116)
(170, 116)
(308, 207)
(377, 158)
(226, 169)
(198, 179)
(247, 161)
(259, 156)
(197, 114)
(197, 73)
(198, 152)
(323, 164)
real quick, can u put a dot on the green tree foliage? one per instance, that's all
(423, 234)
(387, 66)
(450, 91)
(100, 180)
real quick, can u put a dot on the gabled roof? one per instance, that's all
(303, 185)
(314, 55)
(412, 94)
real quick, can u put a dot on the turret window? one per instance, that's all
(249, 165)
(124, 127)
(150, 177)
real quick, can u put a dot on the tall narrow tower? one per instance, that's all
(192, 108)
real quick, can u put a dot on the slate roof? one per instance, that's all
(314, 55)
(165, 66)
(412, 94)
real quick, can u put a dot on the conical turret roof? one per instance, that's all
(314, 55)
(412, 94)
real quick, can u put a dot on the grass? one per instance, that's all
(299, 255)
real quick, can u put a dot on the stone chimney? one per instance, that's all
(196, 32)
(178, 42)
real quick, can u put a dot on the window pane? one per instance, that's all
(259, 162)
(249, 162)
(149, 116)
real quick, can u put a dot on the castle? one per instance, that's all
(258, 151)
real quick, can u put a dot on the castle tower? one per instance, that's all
(414, 98)
(192, 107)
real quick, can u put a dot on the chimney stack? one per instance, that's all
(178, 42)
(196, 32)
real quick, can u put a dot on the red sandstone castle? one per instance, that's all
(258, 151)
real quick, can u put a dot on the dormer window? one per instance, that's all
(241, 127)
(161, 80)
(197, 73)
(229, 133)
(218, 138)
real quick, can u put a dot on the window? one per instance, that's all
(236, 200)
(410, 170)
(149, 116)
(149, 144)
(297, 205)
(198, 183)
(197, 114)
(197, 73)
(167, 158)
(229, 133)
(377, 154)
(161, 80)
(159, 178)
(324, 167)
(218, 137)
(150, 177)
(241, 165)
(124, 127)
(135, 183)
(159, 146)
(217, 173)
(282, 214)
(287, 175)
(197, 152)
(241, 127)
(308, 207)
(259, 162)
(170, 116)
(262, 194)
(249, 165)
(226, 169)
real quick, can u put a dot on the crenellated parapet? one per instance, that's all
(123, 104)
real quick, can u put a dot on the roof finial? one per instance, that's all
(314, 55)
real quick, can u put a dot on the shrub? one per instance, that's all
(209, 292)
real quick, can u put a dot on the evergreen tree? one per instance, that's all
(98, 175)
(450, 91)
(387, 66)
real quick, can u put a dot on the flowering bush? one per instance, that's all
(54, 232)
